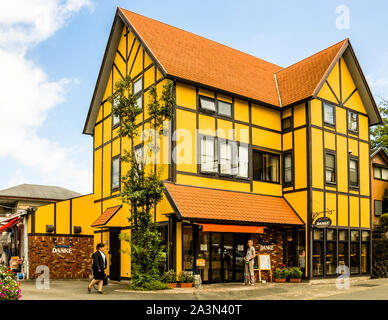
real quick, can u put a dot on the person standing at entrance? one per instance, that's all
(98, 267)
(249, 274)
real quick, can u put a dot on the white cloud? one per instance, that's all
(26, 93)
(378, 81)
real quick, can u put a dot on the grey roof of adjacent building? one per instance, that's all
(34, 191)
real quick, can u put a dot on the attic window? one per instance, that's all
(224, 108)
(207, 103)
(352, 121)
(328, 114)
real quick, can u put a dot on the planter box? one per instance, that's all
(295, 280)
(280, 280)
(172, 285)
(186, 285)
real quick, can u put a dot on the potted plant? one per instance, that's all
(9, 287)
(169, 277)
(295, 275)
(281, 274)
(186, 279)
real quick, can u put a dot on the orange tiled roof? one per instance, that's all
(106, 216)
(211, 204)
(299, 80)
(191, 57)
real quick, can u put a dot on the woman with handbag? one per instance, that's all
(249, 259)
(98, 267)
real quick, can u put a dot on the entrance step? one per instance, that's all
(333, 280)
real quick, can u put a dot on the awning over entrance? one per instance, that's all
(9, 224)
(106, 216)
(206, 204)
(231, 228)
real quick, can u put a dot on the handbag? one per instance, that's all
(105, 281)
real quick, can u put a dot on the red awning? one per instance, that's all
(106, 216)
(231, 228)
(9, 224)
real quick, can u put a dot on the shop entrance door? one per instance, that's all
(227, 253)
(114, 253)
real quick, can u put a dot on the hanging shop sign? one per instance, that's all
(323, 222)
(62, 249)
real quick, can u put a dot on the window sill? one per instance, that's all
(329, 124)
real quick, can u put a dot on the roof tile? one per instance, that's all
(212, 204)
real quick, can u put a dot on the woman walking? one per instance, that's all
(249, 274)
(98, 267)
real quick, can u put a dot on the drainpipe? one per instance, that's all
(25, 242)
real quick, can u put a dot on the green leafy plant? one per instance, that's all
(281, 273)
(169, 277)
(379, 133)
(142, 189)
(9, 287)
(186, 277)
(295, 272)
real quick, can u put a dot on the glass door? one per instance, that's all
(239, 252)
(216, 257)
(227, 257)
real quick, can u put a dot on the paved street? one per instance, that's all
(376, 289)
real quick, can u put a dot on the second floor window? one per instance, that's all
(380, 173)
(287, 168)
(208, 154)
(352, 121)
(227, 164)
(330, 168)
(353, 172)
(328, 113)
(115, 173)
(216, 106)
(265, 167)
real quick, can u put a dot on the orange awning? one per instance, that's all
(231, 228)
(208, 205)
(106, 216)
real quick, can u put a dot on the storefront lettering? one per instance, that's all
(266, 246)
(62, 249)
(323, 222)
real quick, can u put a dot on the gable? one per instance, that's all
(125, 54)
(345, 84)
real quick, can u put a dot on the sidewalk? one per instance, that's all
(77, 289)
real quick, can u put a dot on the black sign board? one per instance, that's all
(323, 222)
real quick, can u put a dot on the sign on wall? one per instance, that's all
(62, 249)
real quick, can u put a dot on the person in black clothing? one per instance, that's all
(98, 267)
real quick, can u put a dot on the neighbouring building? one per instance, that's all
(14, 203)
(379, 174)
(254, 151)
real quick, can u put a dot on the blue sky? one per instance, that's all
(45, 144)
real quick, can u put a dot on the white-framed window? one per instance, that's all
(226, 157)
(243, 161)
(328, 113)
(208, 155)
(115, 172)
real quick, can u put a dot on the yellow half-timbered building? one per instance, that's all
(253, 151)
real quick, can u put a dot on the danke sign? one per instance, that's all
(323, 222)
(62, 249)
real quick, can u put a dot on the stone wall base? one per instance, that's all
(67, 257)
